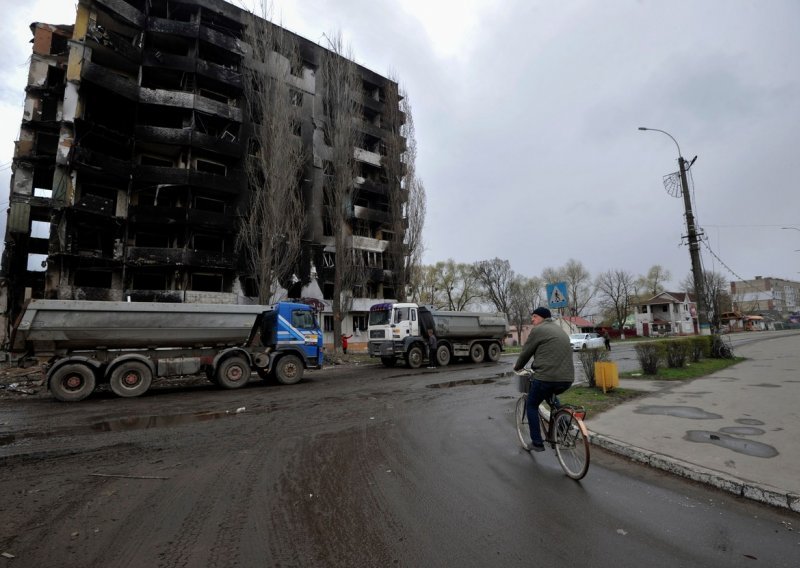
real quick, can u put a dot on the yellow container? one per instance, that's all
(606, 375)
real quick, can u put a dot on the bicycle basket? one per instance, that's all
(523, 383)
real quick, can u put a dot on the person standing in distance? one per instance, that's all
(432, 342)
(554, 372)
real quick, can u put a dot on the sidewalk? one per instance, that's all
(737, 429)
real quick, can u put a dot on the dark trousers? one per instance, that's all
(541, 391)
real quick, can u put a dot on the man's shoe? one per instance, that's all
(537, 447)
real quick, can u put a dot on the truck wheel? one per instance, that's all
(476, 353)
(72, 382)
(130, 379)
(442, 356)
(493, 353)
(289, 370)
(233, 372)
(388, 361)
(414, 358)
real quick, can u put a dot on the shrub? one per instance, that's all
(588, 358)
(649, 355)
(677, 352)
(700, 346)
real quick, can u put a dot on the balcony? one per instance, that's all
(232, 183)
(150, 256)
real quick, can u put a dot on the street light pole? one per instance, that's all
(694, 244)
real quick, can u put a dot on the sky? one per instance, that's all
(527, 116)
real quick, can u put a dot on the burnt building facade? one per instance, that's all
(129, 181)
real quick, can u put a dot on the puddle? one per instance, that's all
(145, 422)
(769, 385)
(5, 440)
(742, 431)
(738, 445)
(460, 383)
(691, 412)
(749, 421)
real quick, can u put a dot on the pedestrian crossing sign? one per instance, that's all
(557, 295)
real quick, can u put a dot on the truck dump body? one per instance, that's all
(452, 325)
(54, 325)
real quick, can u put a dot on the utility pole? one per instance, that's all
(694, 244)
(694, 253)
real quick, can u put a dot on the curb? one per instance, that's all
(728, 483)
(719, 480)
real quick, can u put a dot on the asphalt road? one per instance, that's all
(358, 466)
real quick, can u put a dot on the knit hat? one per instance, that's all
(542, 312)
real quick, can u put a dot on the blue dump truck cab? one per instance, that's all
(293, 341)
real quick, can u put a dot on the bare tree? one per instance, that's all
(653, 282)
(496, 277)
(717, 294)
(341, 90)
(406, 191)
(616, 289)
(526, 295)
(270, 231)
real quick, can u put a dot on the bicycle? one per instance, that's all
(562, 428)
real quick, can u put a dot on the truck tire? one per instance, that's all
(233, 372)
(72, 382)
(493, 352)
(131, 378)
(414, 357)
(476, 353)
(442, 356)
(388, 361)
(289, 370)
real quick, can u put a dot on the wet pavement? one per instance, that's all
(736, 429)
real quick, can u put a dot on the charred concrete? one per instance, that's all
(129, 177)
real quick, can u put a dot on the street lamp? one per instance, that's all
(694, 245)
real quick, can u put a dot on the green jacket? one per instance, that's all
(551, 351)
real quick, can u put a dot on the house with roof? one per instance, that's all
(667, 313)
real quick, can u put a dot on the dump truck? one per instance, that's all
(128, 344)
(399, 332)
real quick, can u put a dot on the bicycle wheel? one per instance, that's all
(523, 429)
(572, 444)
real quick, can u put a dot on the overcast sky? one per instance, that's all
(526, 117)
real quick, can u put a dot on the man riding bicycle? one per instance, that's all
(552, 365)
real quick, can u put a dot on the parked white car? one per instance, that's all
(581, 341)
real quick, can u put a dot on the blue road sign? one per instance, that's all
(557, 295)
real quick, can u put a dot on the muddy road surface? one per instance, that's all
(354, 466)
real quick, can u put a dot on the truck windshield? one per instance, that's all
(303, 320)
(379, 317)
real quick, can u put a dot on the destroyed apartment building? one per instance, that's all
(129, 177)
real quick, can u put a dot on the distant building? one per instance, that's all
(667, 313)
(128, 179)
(765, 295)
